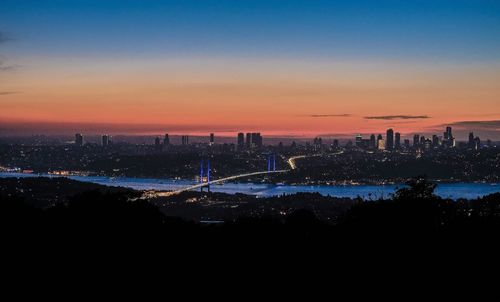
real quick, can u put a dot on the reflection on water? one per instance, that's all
(454, 191)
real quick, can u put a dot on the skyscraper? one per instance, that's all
(359, 140)
(248, 141)
(185, 140)
(472, 143)
(435, 141)
(449, 140)
(373, 142)
(212, 139)
(255, 140)
(381, 144)
(335, 143)
(166, 140)
(389, 144)
(105, 140)
(477, 143)
(157, 144)
(397, 141)
(449, 135)
(241, 140)
(407, 143)
(427, 144)
(79, 139)
(416, 140)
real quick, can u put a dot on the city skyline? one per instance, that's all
(255, 140)
(301, 69)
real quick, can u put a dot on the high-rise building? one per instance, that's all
(185, 140)
(373, 142)
(407, 144)
(212, 139)
(255, 140)
(435, 141)
(477, 143)
(448, 134)
(422, 141)
(166, 140)
(416, 140)
(359, 140)
(397, 141)
(389, 139)
(449, 140)
(381, 144)
(241, 140)
(79, 139)
(471, 140)
(427, 144)
(157, 143)
(335, 143)
(105, 140)
(248, 140)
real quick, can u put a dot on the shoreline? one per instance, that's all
(281, 183)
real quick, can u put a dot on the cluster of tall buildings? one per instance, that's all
(474, 142)
(392, 141)
(185, 140)
(105, 140)
(249, 141)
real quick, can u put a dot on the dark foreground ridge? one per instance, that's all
(65, 211)
(91, 228)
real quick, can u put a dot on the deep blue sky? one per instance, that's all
(437, 29)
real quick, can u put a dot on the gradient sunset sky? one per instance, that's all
(278, 67)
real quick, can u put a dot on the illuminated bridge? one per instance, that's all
(271, 169)
(150, 194)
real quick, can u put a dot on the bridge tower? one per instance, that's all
(201, 173)
(271, 162)
(208, 174)
(274, 162)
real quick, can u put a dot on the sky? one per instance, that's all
(300, 68)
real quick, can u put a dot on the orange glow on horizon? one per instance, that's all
(276, 98)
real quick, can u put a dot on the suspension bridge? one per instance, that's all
(205, 180)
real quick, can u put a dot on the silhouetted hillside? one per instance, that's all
(42, 192)
(110, 217)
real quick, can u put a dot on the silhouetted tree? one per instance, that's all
(418, 188)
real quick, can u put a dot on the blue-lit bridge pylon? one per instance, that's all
(203, 178)
(206, 181)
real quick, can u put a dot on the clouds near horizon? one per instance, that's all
(7, 92)
(484, 125)
(396, 117)
(328, 115)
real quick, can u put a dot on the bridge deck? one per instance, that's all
(151, 194)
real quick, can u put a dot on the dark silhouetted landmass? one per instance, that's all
(81, 210)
